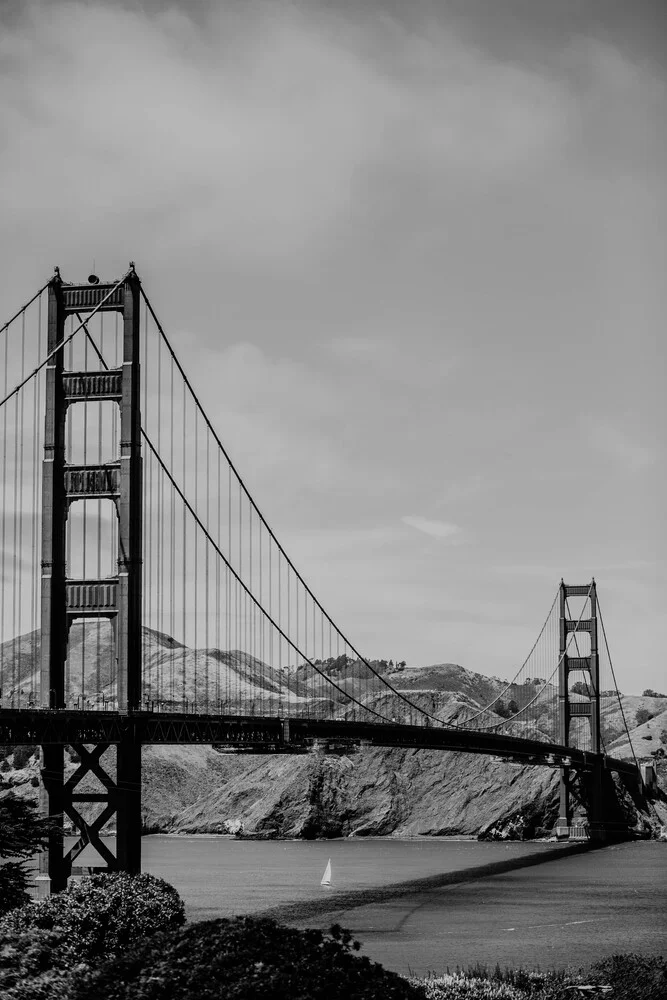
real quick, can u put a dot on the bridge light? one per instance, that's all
(93, 279)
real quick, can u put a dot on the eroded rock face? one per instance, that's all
(376, 792)
(373, 792)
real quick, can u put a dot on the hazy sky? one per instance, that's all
(413, 257)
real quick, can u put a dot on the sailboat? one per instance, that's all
(326, 878)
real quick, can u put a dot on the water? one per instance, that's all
(536, 905)
(222, 877)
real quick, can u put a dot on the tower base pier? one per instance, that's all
(87, 800)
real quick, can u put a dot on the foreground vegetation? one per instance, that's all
(621, 977)
(119, 937)
(123, 937)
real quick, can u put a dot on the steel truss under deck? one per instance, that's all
(268, 734)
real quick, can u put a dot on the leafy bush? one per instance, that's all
(101, 915)
(35, 965)
(650, 693)
(642, 715)
(22, 755)
(459, 986)
(632, 977)
(22, 834)
(244, 958)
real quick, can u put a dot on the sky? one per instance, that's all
(413, 258)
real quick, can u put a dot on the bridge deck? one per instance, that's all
(270, 734)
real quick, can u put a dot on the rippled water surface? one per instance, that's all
(219, 876)
(517, 904)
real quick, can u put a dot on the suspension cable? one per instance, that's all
(26, 306)
(244, 587)
(510, 718)
(525, 662)
(587, 685)
(249, 593)
(620, 703)
(263, 520)
(63, 342)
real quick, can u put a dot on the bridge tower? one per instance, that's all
(117, 599)
(589, 709)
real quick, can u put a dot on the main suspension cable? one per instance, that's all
(272, 535)
(26, 306)
(63, 343)
(238, 579)
(523, 665)
(618, 695)
(543, 687)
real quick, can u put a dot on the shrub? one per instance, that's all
(633, 977)
(460, 986)
(35, 965)
(22, 755)
(22, 834)
(642, 715)
(253, 958)
(101, 915)
(650, 693)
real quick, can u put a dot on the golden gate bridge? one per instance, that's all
(146, 599)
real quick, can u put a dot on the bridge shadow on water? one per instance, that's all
(339, 902)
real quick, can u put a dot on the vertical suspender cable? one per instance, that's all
(147, 645)
(206, 570)
(228, 589)
(35, 497)
(196, 559)
(84, 505)
(159, 568)
(217, 596)
(185, 547)
(3, 548)
(172, 533)
(15, 581)
(238, 594)
(100, 457)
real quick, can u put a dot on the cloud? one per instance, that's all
(441, 530)
(377, 247)
(355, 348)
(617, 444)
(255, 131)
(408, 364)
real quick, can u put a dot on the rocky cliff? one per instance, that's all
(371, 792)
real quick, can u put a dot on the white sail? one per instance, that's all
(326, 878)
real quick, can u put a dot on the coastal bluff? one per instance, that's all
(368, 791)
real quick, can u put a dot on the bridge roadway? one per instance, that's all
(270, 734)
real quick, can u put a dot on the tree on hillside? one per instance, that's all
(579, 688)
(642, 715)
(650, 693)
(22, 834)
(504, 711)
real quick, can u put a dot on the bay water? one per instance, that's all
(425, 905)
